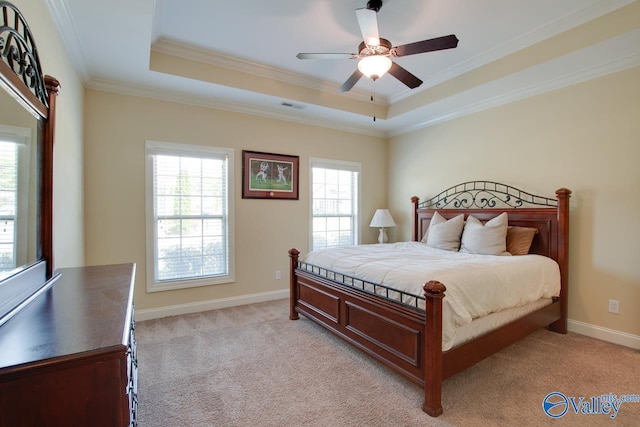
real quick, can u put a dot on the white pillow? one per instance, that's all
(487, 239)
(445, 234)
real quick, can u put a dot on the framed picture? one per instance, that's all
(269, 176)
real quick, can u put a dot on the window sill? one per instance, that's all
(153, 286)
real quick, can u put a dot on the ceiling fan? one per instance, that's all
(375, 52)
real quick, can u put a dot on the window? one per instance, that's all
(8, 203)
(14, 197)
(189, 216)
(334, 203)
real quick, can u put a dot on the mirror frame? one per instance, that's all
(21, 76)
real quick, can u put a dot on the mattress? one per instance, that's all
(477, 285)
(482, 325)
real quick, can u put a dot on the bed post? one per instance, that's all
(434, 293)
(293, 288)
(563, 196)
(414, 231)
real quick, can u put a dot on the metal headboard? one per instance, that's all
(485, 194)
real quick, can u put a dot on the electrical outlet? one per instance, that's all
(278, 275)
(614, 306)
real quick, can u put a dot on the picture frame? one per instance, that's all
(269, 175)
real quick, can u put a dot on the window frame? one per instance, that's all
(185, 150)
(336, 165)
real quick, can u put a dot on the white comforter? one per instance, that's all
(477, 285)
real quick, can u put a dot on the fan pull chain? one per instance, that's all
(373, 91)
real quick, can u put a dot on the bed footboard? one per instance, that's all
(399, 337)
(434, 293)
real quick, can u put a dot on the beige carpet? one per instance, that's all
(252, 366)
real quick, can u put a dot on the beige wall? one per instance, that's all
(117, 127)
(68, 167)
(585, 137)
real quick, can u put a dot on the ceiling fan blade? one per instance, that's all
(368, 22)
(326, 56)
(351, 81)
(439, 43)
(404, 76)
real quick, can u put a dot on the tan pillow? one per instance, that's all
(445, 234)
(519, 239)
(485, 239)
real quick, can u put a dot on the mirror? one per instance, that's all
(27, 125)
(18, 186)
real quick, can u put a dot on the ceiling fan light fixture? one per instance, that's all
(374, 66)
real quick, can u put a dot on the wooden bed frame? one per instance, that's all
(407, 339)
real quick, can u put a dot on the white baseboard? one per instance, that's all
(604, 334)
(195, 307)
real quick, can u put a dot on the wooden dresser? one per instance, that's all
(69, 357)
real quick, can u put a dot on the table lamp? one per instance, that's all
(382, 219)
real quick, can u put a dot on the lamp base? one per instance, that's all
(382, 237)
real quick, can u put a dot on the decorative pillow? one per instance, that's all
(438, 219)
(487, 239)
(519, 239)
(443, 233)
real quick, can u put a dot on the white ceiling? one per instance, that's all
(111, 43)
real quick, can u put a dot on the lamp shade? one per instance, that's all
(382, 218)
(374, 66)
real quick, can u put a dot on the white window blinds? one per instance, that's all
(8, 203)
(334, 188)
(190, 215)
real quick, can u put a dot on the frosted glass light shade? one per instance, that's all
(374, 66)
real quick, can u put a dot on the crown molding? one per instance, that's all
(277, 112)
(560, 25)
(63, 21)
(290, 115)
(576, 77)
(181, 50)
(156, 23)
